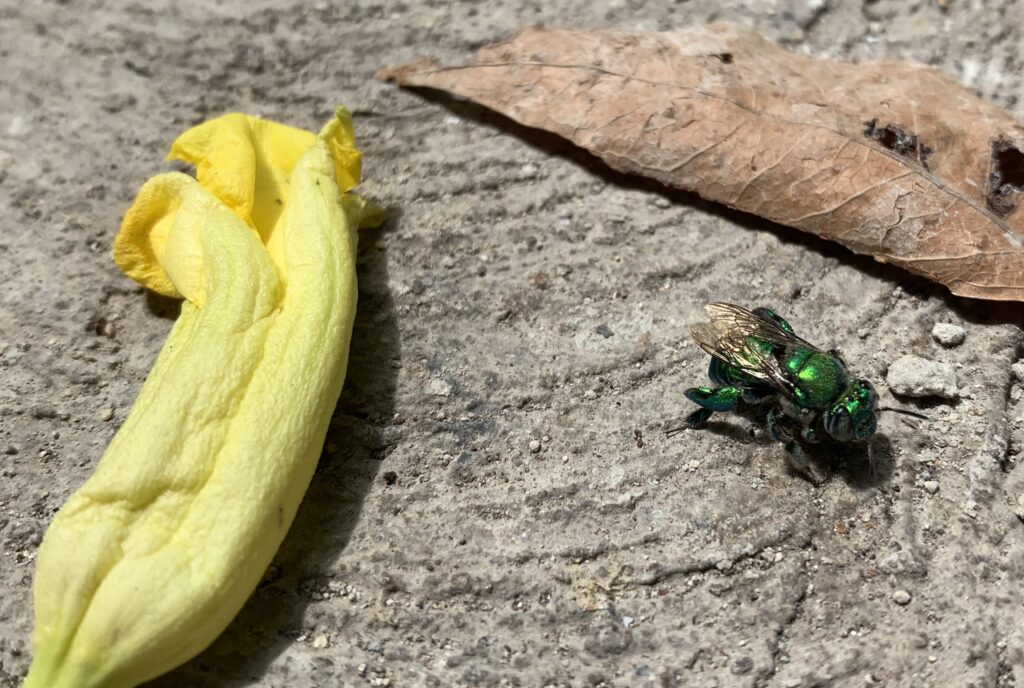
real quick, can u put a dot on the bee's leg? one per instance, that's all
(710, 400)
(777, 423)
(811, 435)
(698, 419)
(755, 395)
(798, 459)
(772, 315)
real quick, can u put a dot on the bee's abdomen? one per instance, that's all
(722, 373)
(819, 377)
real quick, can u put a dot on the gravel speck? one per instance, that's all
(930, 486)
(107, 413)
(742, 665)
(43, 411)
(440, 388)
(913, 376)
(1018, 371)
(535, 446)
(948, 334)
(901, 597)
(528, 171)
(1019, 510)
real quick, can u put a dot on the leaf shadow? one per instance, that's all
(357, 440)
(976, 311)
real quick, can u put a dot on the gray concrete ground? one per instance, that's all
(498, 504)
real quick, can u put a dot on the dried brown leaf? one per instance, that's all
(891, 159)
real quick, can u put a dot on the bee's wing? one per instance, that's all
(731, 336)
(747, 324)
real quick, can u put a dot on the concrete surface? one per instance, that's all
(498, 504)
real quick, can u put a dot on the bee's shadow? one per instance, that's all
(862, 465)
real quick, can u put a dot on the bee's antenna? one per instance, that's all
(906, 412)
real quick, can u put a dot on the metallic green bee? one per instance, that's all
(756, 357)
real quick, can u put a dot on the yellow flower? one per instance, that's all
(154, 555)
(247, 163)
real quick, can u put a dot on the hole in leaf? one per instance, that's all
(1006, 181)
(899, 141)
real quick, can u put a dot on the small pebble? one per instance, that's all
(439, 387)
(913, 376)
(41, 411)
(742, 665)
(1019, 510)
(1018, 371)
(930, 486)
(528, 171)
(901, 597)
(535, 446)
(107, 413)
(948, 334)
(320, 642)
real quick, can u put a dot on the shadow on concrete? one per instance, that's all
(162, 306)
(970, 310)
(862, 465)
(272, 618)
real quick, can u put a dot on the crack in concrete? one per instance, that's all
(587, 553)
(721, 562)
(777, 644)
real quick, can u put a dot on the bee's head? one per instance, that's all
(852, 417)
